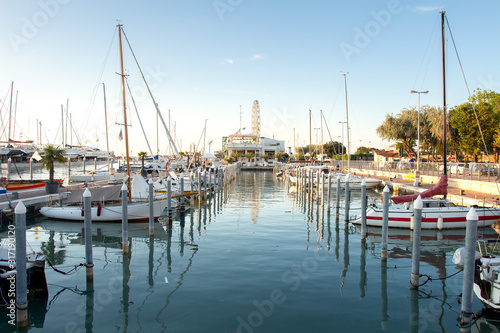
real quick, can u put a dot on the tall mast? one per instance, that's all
(10, 109)
(347, 124)
(62, 125)
(124, 111)
(66, 127)
(444, 96)
(106, 123)
(321, 118)
(15, 115)
(310, 135)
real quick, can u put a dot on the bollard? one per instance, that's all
(9, 162)
(385, 223)
(124, 219)
(151, 210)
(191, 196)
(21, 276)
(31, 168)
(337, 200)
(182, 192)
(468, 279)
(69, 167)
(363, 210)
(169, 200)
(329, 190)
(415, 254)
(84, 162)
(347, 193)
(87, 216)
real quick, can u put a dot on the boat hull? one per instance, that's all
(453, 217)
(137, 211)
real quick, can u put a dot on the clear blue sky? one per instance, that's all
(203, 59)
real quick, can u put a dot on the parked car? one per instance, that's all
(458, 168)
(491, 170)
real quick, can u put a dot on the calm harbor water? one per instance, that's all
(259, 258)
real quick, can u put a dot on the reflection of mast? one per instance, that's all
(126, 287)
(383, 278)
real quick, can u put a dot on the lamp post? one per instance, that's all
(342, 122)
(417, 173)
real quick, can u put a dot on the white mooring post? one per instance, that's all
(169, 200)
(87, 217)
(182, 193)
(347, 194)
(337, 199)
(470, 256)
(415, 254)
(363, 210)
(21, 275)
(31, 168)
(9, 162)
(124, 218)
(151, 210)
(329, 190)
(385, 222)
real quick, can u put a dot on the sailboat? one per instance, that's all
(106, 206)
(437, 213)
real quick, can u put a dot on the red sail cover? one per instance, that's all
(441, 188)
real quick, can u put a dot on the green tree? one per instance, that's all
(235, 156)
(142, 155)
(52, 155)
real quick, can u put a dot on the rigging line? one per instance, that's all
(329, 134)
(152, 98)
(468, 90)
(335, 101)
(98, 83)
(138, 117)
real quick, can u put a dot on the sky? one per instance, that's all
(204, 60)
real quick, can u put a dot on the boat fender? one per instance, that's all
(99, 208)
(440, 223)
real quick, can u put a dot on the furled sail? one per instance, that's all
(441, 188)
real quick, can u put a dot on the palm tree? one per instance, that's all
(142, 155)
(51, 155)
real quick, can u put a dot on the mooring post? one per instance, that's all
(470, 257)
(69, 167)
(385, 222)
(198, 178)
(151, 209)
(182, 192)
(363, 210)
(84, 163)
(31, 168)
(347, 195)
(21, 275)
(87, 217)
(169, 200)
(337, 199)
(191, 180)
(415, 254)
(329, 190)
(95, 163)
(9, 162)
(124, 218)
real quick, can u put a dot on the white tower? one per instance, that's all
(256, 118)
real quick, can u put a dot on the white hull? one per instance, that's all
(95, 177)
(135, 210)
(453, 217)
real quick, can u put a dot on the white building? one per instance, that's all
(243, 144)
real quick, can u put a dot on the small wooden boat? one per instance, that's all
(19, 185)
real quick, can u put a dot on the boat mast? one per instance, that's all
(444, 96)
(310, 136)
(124, 111)
(347, 124)
(10, 110)
(106, 123)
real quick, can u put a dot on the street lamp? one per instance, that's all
(342, 122)
(417, 173)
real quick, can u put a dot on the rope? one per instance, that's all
(430, 278)
(76, 267)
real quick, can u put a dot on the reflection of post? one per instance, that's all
(337, 199)
(346, 208)
(383, 278)
(328, 231)
(362, 271)
(125, 286)
(415, 315)
(151, 210)
(89, 306)
(363, 210)
(151, 260)
(169, 246)
(346, 257)
(337, 238)
(182, 224)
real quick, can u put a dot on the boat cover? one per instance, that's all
(105, 193)
(441, 188)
